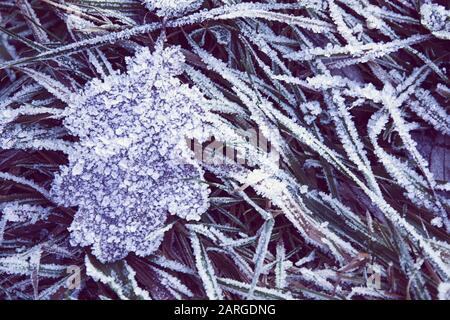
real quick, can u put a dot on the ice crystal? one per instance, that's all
(444, 291)
(173, 7)
(436, 19)
(16, 212)
(131, 166)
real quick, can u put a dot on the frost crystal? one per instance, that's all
(131, 166)
(436, 19)
(16, 212)
(444, 291)
(173, 7)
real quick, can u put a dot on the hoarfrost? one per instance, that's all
(435, 18)
(173, 8)
(131, 166)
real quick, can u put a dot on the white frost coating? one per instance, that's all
(123, 289)
(400, 171)
(131, 166)
(429, 110)
(21, 212)
(173, 7)
(77, 23)
(205, 269)
(173, 283)
(367, 292)
(262, 293)
(20, 180)
(444, 291)
(311, 110)
(436, 19)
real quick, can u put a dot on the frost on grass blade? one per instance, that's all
(120, 277)
(167, 8)
(205, 269)
(436, 19)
